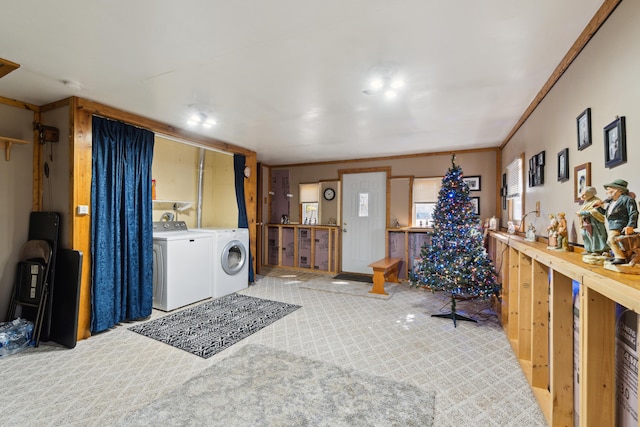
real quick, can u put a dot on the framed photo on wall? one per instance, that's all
(581, 180)
(563, 165)
(475, 201)
(615, 143)
(584, 129)
(473, 182)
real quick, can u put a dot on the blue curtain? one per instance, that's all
(121, 226)
(243, 221)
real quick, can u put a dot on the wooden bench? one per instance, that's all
(385, 269)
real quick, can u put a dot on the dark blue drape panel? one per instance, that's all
(121, 226)
(243, 221)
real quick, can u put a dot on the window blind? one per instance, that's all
(426, 189)
(514, 179)
(309, 193)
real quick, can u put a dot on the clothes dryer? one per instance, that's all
(230, 259)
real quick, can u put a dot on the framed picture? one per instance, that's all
(584, 129)
(539, 176)
(581, 180)
(563, 165)
(475, 201)
(615, 143)
(473, 182)
(540, 161)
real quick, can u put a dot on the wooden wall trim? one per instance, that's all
(607, 8)
(18, 104)
(385, 158)
(158, 127)
(38, 161)
(80, 153)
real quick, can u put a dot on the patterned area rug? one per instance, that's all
(209, 328)
(350, 288)
(260, 386)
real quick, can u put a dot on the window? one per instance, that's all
(515, 193)
(425, 196)
(309, 197)
(310, 213)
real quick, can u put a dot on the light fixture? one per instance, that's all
(71, 85)
(201, 119)
(384, 78)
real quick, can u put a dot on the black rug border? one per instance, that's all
(231, 333)
(353, 277)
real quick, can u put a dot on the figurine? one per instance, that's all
(621, 214)
(531, 233)
(552, 231)
(563, 234)
(594, 233)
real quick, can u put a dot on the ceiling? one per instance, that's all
(286, 78)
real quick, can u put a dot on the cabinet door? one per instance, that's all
(288, 246)
(304, 247)
(321, 252)
(273, 245)
(397, 249)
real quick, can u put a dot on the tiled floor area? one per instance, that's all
(478, 381)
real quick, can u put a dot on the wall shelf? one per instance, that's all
(8, 142)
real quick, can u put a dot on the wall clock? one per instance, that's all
(329, 194)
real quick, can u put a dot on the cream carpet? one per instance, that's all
(261, 386)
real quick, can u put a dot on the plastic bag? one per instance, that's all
(15, 336)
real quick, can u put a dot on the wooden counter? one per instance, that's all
(536, 311)
(306, 247)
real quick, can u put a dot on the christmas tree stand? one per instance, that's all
(453, 315)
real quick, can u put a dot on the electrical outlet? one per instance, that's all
(537, 209)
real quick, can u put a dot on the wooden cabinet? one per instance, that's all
(537, 313)
(309, 247)
(406, 243)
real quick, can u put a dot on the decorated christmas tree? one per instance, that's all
(455, 261)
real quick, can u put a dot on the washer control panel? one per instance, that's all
(169, 226)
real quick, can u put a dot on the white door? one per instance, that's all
(364, 211)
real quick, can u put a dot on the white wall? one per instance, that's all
(16, 181)
(604, 78)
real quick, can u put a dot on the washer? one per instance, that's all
(182, 272)
(230, 259)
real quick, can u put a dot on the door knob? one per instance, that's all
(344, 230)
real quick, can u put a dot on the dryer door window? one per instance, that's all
(234, 257)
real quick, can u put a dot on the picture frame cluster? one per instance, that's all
(536, 169)
(614, 136)
(615, 151)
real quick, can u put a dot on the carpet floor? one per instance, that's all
(261, 386)
(209, 328)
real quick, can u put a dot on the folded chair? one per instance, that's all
(31, 284)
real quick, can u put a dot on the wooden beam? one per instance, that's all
(7, 66)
